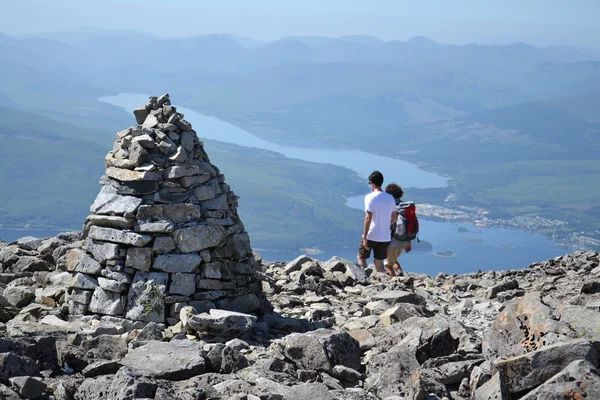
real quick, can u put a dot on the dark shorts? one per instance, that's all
(379, 250)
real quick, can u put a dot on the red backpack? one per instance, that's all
(407, 227)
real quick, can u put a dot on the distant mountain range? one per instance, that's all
(454, 108)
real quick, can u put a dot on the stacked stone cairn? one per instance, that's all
(164, 232)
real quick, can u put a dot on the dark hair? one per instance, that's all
(376, 178)
(394, 190)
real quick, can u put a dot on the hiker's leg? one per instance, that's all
(363, 255)
(389, 262)
(379, 265)
(380, 254)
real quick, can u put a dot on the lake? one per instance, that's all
(476, 249)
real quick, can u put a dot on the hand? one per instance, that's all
(364, 243)
(408, 247)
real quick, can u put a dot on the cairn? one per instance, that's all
(164, 231)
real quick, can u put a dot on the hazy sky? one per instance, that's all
(542, 22)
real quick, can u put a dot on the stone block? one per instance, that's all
(173, 263)
(105, 302)
(118, 236)
(163, 245)
(79, 261)
(102, 251)
(139, 258)
(183, 284)
(111, 285)
(109, 201)
(211, 270)
(145, 301)
(198, 238)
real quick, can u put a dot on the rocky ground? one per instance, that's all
(333, 331)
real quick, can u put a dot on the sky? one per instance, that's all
(540, 22)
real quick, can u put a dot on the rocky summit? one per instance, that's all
(160, 296)
(330, 330)
(164, 232)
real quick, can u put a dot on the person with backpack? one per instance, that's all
(403, 231)
(380, 212)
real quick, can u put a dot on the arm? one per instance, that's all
(394, 217)
(366, 225)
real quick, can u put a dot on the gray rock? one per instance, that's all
(523, 373)
(225, 359)
(102, 367)
(349, 268)
(102, 251)
(182, 263)
(387, 372)
(106, 302)
(248, 303)
(110, 202)
(145, 301)
(579, 380)
(118, 236)
(18, 296)
(175, 360)
(181, 171)
(29, 242)
(28, 387)
(32, 264)
(183, 284)
(163, 245)
(321, 350)
(125, 385)
(176, 213)
(112, 285)
(79, 261)
(139, 258)
(198, 238)
(223, 323)
(127, 175)
(12, 365)
(155, 227)
(81, 281)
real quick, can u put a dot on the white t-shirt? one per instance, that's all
(381, 205)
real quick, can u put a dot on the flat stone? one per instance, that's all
(110, 221)
(195, 180)
(198, 238)
(203, 193)
(176, 213)
(28, 387)
(139, 258)
(163, 245)
(137, 188)
(150, 122)
(82, 281)
(178, 171)
(127, 175)
(81, 296)
(183, 284)
(222, 322)
(111, 285)
(218, 203)
(118, 236)
(145, 301)
(102, 251)
(105, 302)
(140, 114)
(171, 198)
(172, 263)
(109, 201)
(155, 227)
(175, 361)
(79, 261)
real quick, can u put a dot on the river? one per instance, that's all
(473, 249)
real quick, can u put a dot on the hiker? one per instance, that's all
(392, 265)
(380, 212)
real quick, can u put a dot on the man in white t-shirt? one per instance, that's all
(380, 214)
